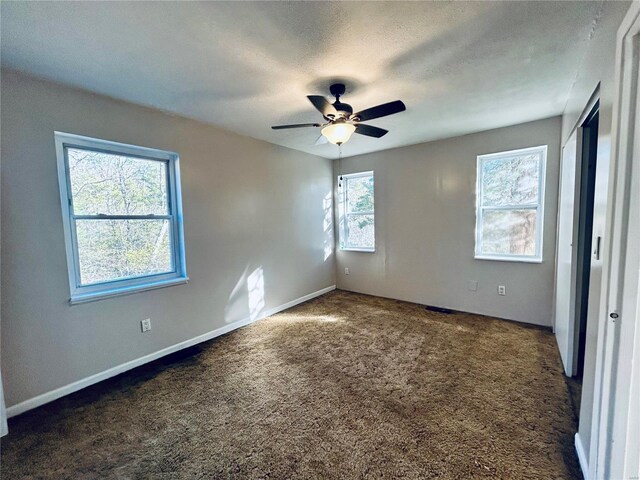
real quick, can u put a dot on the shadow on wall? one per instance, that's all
(247, 299)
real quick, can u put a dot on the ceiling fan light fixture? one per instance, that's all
(338, 133)
(341, 121)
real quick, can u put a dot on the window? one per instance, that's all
(510, 205)
(357, 229)
(122, 217)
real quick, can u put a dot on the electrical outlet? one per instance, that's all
(145, 325)
(502, 290)
(347, 271)
(473, 285)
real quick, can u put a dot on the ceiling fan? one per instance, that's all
(341, 122)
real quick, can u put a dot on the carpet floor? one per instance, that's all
(343, 386)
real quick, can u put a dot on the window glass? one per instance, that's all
(104, 183)
(111, 250)
(511, 181)
(360, 194)
(510, 232)
(361, 231)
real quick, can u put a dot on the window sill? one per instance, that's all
(126, 290)
(508, 259)
(353, 249)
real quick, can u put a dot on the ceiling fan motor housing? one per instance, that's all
(343, 108)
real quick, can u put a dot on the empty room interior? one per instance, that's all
(337, 240)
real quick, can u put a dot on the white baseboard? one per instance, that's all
(582, 458)
(112, 372)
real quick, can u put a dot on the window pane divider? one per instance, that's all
(528, 206)
(122, 217)
(361, 213)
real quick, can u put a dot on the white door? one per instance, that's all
(564, 324)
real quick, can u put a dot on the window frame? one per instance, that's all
(343, 214)
(84, 293)
(539, 206)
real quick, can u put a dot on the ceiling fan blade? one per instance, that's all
(296, 125)
(321, 140)
(370, 131)
(323, 106)
(380, 111)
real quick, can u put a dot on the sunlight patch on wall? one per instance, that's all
(327, 205)
(255, 287)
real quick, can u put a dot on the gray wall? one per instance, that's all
(597, 68)
(247, 205)
(425, 228)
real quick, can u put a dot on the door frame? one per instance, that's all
(618, 341)
(584, 234)
(569, 356)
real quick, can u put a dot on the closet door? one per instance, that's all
(564, 324)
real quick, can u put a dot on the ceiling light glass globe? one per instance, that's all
(338, 133)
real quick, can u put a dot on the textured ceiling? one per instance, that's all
(459, 67)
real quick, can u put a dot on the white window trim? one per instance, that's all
(86, 293)
(343, 214)
(537, 258)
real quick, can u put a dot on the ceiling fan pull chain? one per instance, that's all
(340, 164)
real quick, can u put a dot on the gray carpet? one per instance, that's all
(343, 386)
